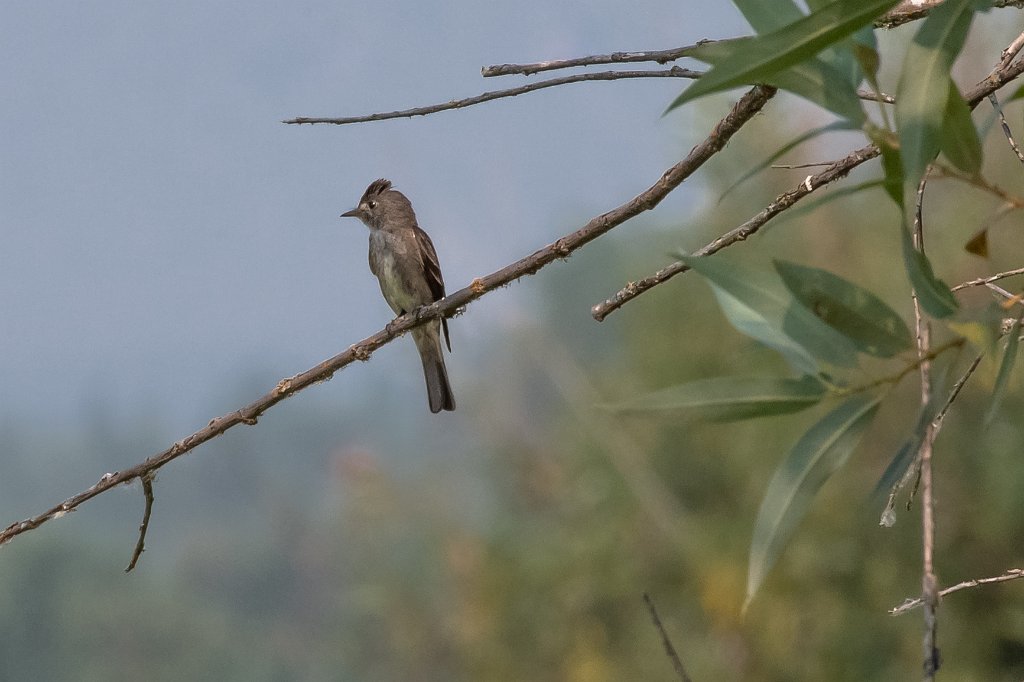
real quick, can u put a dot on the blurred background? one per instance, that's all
(171, 250)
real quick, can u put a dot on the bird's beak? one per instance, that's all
(354, 213)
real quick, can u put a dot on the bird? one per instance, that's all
(405, 263)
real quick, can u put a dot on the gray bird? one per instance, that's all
(405, 263)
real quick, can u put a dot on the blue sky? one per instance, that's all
(164, 234)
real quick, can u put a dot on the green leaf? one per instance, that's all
(758, 59)
(894, 477)
(855, 312)
(1005, 368)
(732, 398)
(932, 293)
(765, 16)
(923, 91)
(756, 325)
(1017, 94)
(816, 456)
(757, 304)
(823, 84)
(800, 139)
(892, 166)
(813, 79)
(960, 141)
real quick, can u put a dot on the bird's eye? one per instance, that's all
(372, 204)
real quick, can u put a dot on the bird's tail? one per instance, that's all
(439, 390)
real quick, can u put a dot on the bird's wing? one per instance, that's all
(432, 270)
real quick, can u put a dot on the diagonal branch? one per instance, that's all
(745, 109)
(1012, 574)
(674, 72)
(839, 169)
(666, 642)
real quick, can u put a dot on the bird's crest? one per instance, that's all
(376, 188)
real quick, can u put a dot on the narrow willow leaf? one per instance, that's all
(855, 312)
(800, 139)
(932, 293)
(822, 83)
(894, 478)
(895, 475)
(757, 304)
(732, 398)
(765, 16)
(813, 79)
(1017, 94)
(756, 325)
(892, 166)
(816, 456)
(1005, 368)
(760, 58)
(959, 140)
(923, 90)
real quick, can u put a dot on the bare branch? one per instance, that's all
(1012, 574)
(840, 168)
(954, 392)
(674, 72)
(1011, 51)
(751, 103)
(658, 56)
(140, 546)
(984, 281)
(940, 170)
(1006, 126)
(837, 170)
(913, 10)
(876, 97)
(666, 642)
(904, 13)
(929, 582)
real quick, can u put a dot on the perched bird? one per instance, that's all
(405, 263)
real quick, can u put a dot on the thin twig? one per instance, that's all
(957, 387)
(1012, 574)
(984, 281)
(929, 583)
(995, 80)
(876, 97)
(797, 166)
(941, 170)
(657, 56)
(1011, 51)
(748, 105)
(140, 546)
(897, 17)
(837, 170)
(674, 72)
(897, 377)
(1006, 127)
(670, 650)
